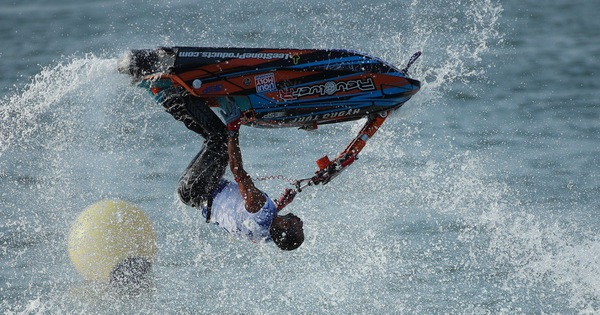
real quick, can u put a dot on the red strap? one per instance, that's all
(329, 169)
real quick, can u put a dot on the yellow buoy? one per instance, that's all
(112, 241)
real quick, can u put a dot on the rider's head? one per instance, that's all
(287, 232)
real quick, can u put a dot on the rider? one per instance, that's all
(238, 207)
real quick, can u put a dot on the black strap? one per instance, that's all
(208, 209)
(410, 62)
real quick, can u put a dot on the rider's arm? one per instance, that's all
(254, 198)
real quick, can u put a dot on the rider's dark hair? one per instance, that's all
(287, 239)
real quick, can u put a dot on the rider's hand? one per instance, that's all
(232, 115)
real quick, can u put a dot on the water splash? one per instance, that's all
(447, 226)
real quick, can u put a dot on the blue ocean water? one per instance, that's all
(478, 196)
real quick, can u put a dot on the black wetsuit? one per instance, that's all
(202, 175)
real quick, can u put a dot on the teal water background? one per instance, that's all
(479, 196)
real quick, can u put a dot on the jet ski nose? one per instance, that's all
(141, 62)
(123, 63)
(138, 63)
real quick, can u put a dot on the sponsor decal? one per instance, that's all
(328, 88)
(265, 82)
(348, 66)
(274, 115)
(232, 55)
(286, 94)
(213, 89)
(333, 115)
(189, 54)
(296, 58)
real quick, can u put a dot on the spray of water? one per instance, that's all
(77, 117)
